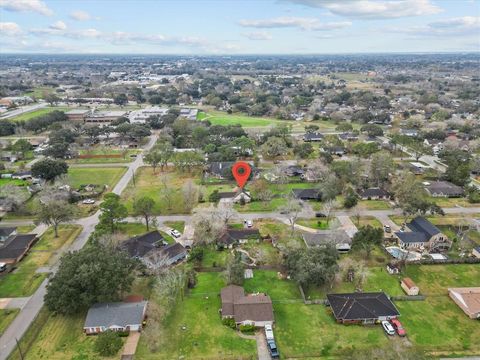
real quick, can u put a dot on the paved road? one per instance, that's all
(22, 110)
(27, 314)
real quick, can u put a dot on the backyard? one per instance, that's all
(24, 280)
(95, 175)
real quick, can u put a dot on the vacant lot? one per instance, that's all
(24, 281)
(165, 187)
(58, 337)
(97, 176)
(104, 156)
(366, 220)
(194, 329)
(374, 204)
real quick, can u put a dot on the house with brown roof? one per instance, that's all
(15, 246)
(246, 309)
(468, 299)
(232, 236)
(409, 286)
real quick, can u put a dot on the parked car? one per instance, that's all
(88, 201)
(320, 215)
(249, 223)
(389, 330)
(397, 325)
(3, 267)
(268, 332)
(387, 228)
(175, 233)
(272, 348)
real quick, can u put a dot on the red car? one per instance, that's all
(397, 325)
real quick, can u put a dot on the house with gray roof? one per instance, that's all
(423, 235)
(116, 316)
(444, 189)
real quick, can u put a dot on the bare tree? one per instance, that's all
(11, 198)
(190, 195)
(328, 207)
(156, 262)
(112, 240)
(209, 225)
(291, 210)
(226, 212)
(166, 191)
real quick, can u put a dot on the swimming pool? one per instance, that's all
(398, 253)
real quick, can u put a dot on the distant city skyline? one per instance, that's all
(239, 27)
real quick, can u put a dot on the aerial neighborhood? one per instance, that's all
(239, 207)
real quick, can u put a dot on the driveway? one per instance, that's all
(262, 349)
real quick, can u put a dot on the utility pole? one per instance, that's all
(19, 349)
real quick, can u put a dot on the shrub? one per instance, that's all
(247, 329)
(230, 322)
(108, 343)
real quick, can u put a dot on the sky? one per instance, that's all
(238, 26)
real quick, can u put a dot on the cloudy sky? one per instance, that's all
(239, 26)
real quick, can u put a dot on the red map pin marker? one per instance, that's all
(241, 171)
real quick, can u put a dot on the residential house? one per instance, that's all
(118, 316)
(307, 194)
(141, 245)
(294, 170)
(476, 252)
(444, 189)
(362, 308)
(246, 309)
(336, 150)
(468, 299)
(339, 237)
(220, 169)
(174, 253)
(349, 136)
(313, 136)
(374, 194)
(409, 132)
(409, 286)
(423, 235)
(235, 196)
(190, 114)
(22, 175)
(232, 237)
(13, 246)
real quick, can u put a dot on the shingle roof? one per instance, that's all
(326, 236)
(173, 250)
(312, 136)
(139, 246)
(119, 313)
(307, 194)
(16, 245)
(445, 188)
(421, 224)
(359, 306)
(411, 237)
(233, 235)
(243, 307)
(6, 231)
(373, 192)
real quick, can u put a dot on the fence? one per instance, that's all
(408, 298)
(100, 156)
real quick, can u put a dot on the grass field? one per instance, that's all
(24, 281)
(315, 223)
(25, 229)
(16, 182)
(168, 196)
(177, 225)
(126, 156)
(374, 204)
(43, 111)
(194, 329)
(366, 220)
(6, 317)
(58, 337)
(452, 202)
(81, 176)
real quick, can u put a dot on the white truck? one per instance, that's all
(269, 332)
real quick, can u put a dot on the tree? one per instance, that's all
(372, 129)
(113, 211)
(458, 166)
(11, 199)
(381, 166)
(261, 191)
(303, 150)
(235, 270)
(144, 207)
(120, 99)
(273, 147)
(344, 127)
(153, 158)
(7, 128)
(366, 238)
(57, 150)
(52, 99)
(108, 343)
(190, 195)
(419, 149)
(94, 274)
(55, 212)
(208, 225)
(327, 208)
(292, 210)
(49, 169)
(351, 198)
(316, 266)
(21, 146)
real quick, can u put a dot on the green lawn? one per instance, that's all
(280, 233)
(6, 317)
(24, 281)
(166, 193)
(439, 326)
(374, 204)
(452, 202)
(219, 118)
(194, 329)
(126, 156)
(215, 258)
(366, 220)
(58, 337)
(43, 111)
(261, 206)
(314, 223)
(268, 282)
(100, 176)
(25, 229)
(177, 225)
(15, 182)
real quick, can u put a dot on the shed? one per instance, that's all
(409, 286)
